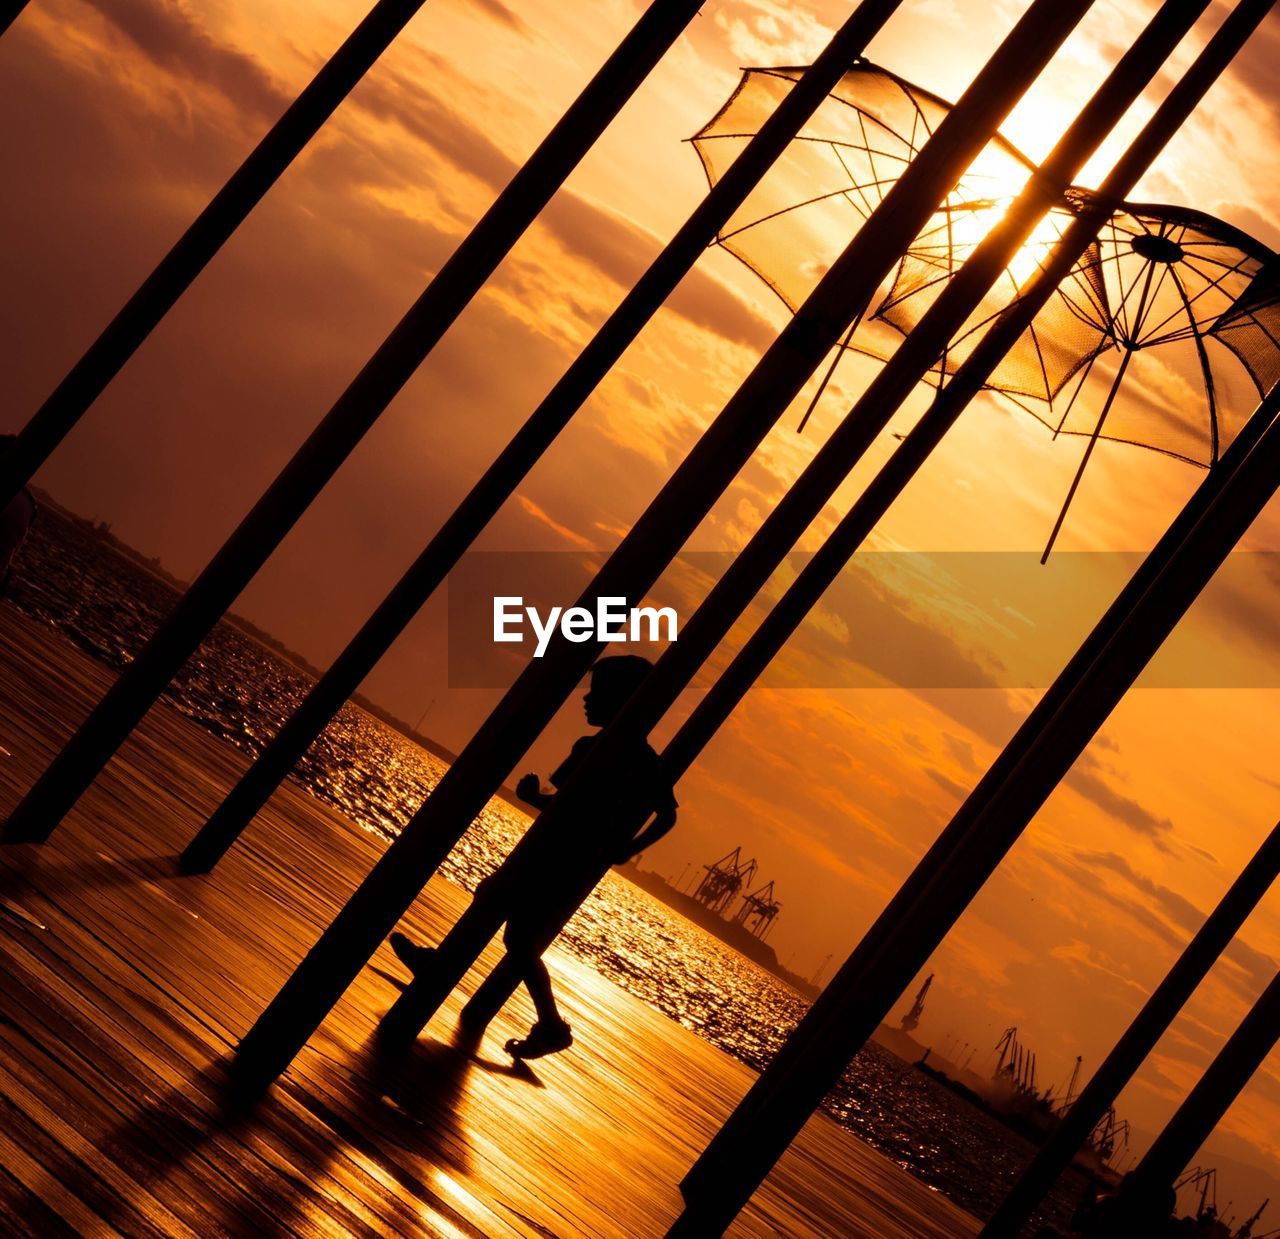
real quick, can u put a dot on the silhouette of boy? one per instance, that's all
(636, 781)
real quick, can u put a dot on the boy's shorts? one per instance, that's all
(537, 916)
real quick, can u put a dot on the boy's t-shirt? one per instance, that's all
(638, 779)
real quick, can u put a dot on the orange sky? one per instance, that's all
(118, 120)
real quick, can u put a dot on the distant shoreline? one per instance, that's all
(102, 533)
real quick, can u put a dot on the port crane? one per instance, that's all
(759, 910)
(911, 1021)
(1246, 1227)
(1109, 1134)
(1017, 1064)
(1065, 1104)
(1206, 1179)
(724, 881)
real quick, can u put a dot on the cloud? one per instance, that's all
(616, 247)
(1203, 853)
(761, 32)
(1242, 599)
(500, 12)
(561, 531)
(1119, 807)
(1255, 67)
(1257, 968)
(1178, 908)
(962, 751)
(958, 790)
(173, 40)
(1088, 878)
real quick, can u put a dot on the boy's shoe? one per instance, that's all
(414, 957)
(544, 1038)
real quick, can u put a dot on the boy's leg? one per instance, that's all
(551, 1033)
(537, 980)
(414, 957)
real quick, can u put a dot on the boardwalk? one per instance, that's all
(125, 986)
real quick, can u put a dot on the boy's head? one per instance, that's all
(613, 680)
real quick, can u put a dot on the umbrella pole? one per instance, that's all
(653, 541)
(766, 550)
(355, 412)
(1138, 1041)
(1088, 451)
(831, 369)
(512, 465)
(193, 251)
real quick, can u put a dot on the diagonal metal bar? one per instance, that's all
(193, 251)
(654, 541)
(546, 422)
(356, 410)
(909, 907)
(1146, 1197)
(1138, 1041)
(909, 930)
(9, 13)
(1215, 1092)
(753, 566)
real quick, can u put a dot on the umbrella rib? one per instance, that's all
(877, 121)
(811, 140)
(1103, 320)
(921, 288)
(1122, 309)
(1088, 451)
(794, 206)
(1144, 270)
(1039, 351)
(1144, 300)
(853, 180)
(1206, 370)
(866, 141)
(1190, 301)
(1092, 296)
(1149, 298)
(1085, 371)
(1117, 316)
(1251, 317)
(1097, 430)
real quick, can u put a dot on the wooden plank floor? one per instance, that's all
(126, 985)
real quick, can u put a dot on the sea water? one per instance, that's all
(68, 576)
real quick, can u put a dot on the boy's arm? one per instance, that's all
(660, 825)
(529, 789)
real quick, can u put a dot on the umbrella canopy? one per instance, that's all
(837, 171)
(1174, 306)
(1156, 276)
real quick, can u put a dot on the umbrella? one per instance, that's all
(838, 169)
(1157, 277)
